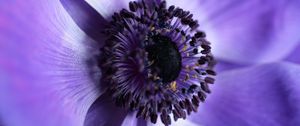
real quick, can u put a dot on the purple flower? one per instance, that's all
(56, 63)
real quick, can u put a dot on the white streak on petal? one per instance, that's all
(107, 7)
(130, 120)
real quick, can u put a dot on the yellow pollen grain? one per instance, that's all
(184, 48)
(152, 28)
(189, 68)
(173, 86)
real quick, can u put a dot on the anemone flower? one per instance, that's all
(151, 62)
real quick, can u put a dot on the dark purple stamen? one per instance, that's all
(155, 62)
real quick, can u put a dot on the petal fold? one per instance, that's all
(294, 55)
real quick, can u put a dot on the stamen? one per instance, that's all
(153, 57)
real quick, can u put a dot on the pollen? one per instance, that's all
(173, 86)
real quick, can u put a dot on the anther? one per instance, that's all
(211, 72)
(171, 8)
(153, 118)
(126, 14)
(163, 4)
(202, 96)
(202, 60)
(206, 47)
(200, 34)
(192, 43)
(193, 87)
(209, 80)
(183, 90)
(195, 51)
(195, 100)
(133, 6)
(205, 51)
(204, 87)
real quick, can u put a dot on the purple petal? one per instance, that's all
(225, 66)
(44, 59)
(294, 55)
(252, 31)
(266, 95)
(87, 18)
(104, 113)
(131, 120)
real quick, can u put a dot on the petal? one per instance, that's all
(294, 55)
(87, 18)
(265, 95)
(107, 7)
(46, 65)
(104, 113)
(225, 66)
(131, 120)
(255, 31)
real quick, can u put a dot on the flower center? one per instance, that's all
(156, 62)
(165, 58)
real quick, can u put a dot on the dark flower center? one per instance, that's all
(156, 62)
(165, 56)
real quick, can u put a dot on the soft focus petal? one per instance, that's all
(294, 55)
(104, 113)
(87, 18)
(225, 66)
(107, 7)
(248, 31)
(131, 120)
(46, 70)
(266, 95)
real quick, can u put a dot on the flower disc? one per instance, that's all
(155, 61)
